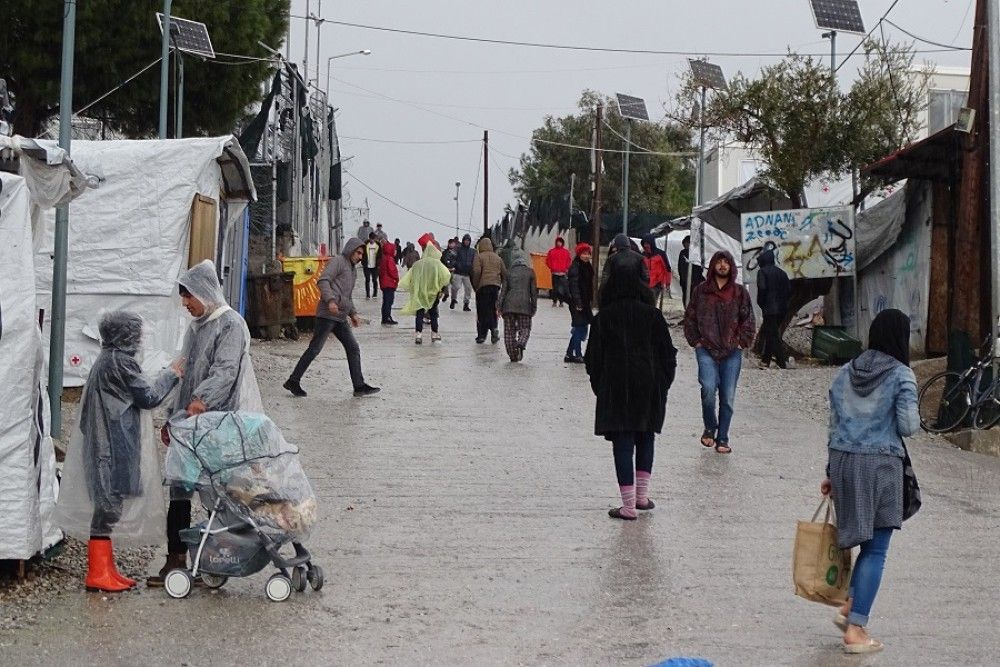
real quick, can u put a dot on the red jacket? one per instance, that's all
(388, 272)
(559, 260)
(658, 273)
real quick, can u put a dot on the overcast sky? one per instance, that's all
(450, 91)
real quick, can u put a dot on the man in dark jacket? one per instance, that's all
(773, 292)
(450, 260)
(463, 270)
(684, 265)
(336, 314)
(719, 324)
(581, 301)
(624, 251)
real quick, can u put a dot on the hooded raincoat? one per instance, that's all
(388, 270)
(519, 294)
(773, 287)
(218, 369)
(424, 281)
(487, 267)
(720, 319)
(111, 484)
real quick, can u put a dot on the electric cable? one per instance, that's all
(117, 88)
(860, 43)
(397, 204)
(643, 150)
(419, 142)
(927, 41)
(475, 189)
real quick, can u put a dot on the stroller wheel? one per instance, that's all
(178, 584)
(214, 580)
(315, 577)
(299, 578)
(278, 588)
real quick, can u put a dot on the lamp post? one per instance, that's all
(457, 186)
(362, 52)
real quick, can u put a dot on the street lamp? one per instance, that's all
(362, 52)
(457, 186)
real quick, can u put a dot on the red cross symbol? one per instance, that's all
(75, 360)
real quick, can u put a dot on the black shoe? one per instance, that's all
(452, 306)
(480, 341)
(294, 387)
(466, 308)
(494, 336)
(366, 390)
(393, 323)
(579, 360)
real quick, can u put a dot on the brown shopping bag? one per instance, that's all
(820, 569)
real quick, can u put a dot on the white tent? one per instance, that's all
(27, 459)
(131, 238)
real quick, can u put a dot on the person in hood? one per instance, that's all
(873, 406)
(410, 256)
(336, 314)
(685, 266)
(424, 282)
(518, 303)
(399, 252)
(719, 324)
(774, 291)
(581, 301)
(488, 274)
(450, 260)
(380, 233)
(388, 278)
(370, 265)
(218, 377)
(657, 266)
(104, 494)
(631, 363)
(624, 251)
(463, 270)
(558, 260)
(365, 230)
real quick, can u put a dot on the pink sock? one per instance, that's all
(642, 487)
(628, 500)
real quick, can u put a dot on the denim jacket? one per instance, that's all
(873, 406)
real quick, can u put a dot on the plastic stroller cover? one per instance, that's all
(244, 456)
(219, 369)
(111, 483)
(425, 281)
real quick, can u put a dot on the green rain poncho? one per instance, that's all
(425, 281)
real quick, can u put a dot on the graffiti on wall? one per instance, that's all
(808, 243)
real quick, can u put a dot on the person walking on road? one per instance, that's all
(388, 278)
(631, 362)
(623, 251)
(410, 256)
(683, 262)
(518, 303)
(658, 268)
(873, 406)
(580, 279)
(370, 264)
(558, 260)
(365, 230)
(463, 271)
(399, 252)
(488, 274)
(336, 314)
(450, 260)
(773, 293)
(380, 234)
(424, 281)
(218, 377)
(719, 324)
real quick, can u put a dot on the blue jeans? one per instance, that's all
(718, 378)
(867, 576)
(576, 337)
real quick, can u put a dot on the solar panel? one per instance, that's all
(188, 36)
(632, 107)
(840, 15)
(708, 75)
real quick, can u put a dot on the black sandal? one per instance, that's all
(708, 439)
(720, 446)
(616, 513)
(649, 505)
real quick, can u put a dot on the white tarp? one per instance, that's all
(27, 459)
(129, 239)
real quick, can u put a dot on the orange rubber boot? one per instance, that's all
(101, 568)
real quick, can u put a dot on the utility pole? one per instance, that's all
(486, 183)
(628, 146)
(993, 41)
(596, 210)
(164, 69)
(457, 186)
(179, 94)
(57, 328)
(305, 55)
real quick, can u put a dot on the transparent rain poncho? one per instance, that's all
(218, 369)
(111, 483)
(424, 281)
(244, 457)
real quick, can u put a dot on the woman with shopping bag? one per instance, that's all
(873, 406)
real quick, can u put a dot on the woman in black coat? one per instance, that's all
(631, 362)
(581, 301)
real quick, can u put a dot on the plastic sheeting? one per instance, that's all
(27, 458)
(244, 457)
(129, 238)
(425, 281)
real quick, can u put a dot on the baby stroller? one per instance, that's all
(259, 502)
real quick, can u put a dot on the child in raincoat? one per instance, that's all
(518, 303)
(111, 486)
(424, 282)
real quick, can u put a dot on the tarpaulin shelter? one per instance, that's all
(27, 458)
(160, 207)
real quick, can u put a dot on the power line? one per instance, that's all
(397, 204)
(927, 41)
(117, 88)
(402, 141)
(646, 150)
(475, 189)
(570, 47)
(470, 106)
(874, 28)
(964, 19)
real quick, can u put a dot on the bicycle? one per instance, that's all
(947, 399)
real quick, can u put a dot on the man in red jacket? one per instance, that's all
(388, 278)
(559, 260)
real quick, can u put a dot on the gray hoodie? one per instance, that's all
(337, 284)
(519, 294)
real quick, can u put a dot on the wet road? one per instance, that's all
(463, 522)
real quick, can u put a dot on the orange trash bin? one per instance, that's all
(305, 291)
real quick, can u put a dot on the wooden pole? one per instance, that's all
(595, 213)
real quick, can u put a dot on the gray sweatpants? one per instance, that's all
(464, 282)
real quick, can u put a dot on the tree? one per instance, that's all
(657, 183)
(794, 116)
(114, 40)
